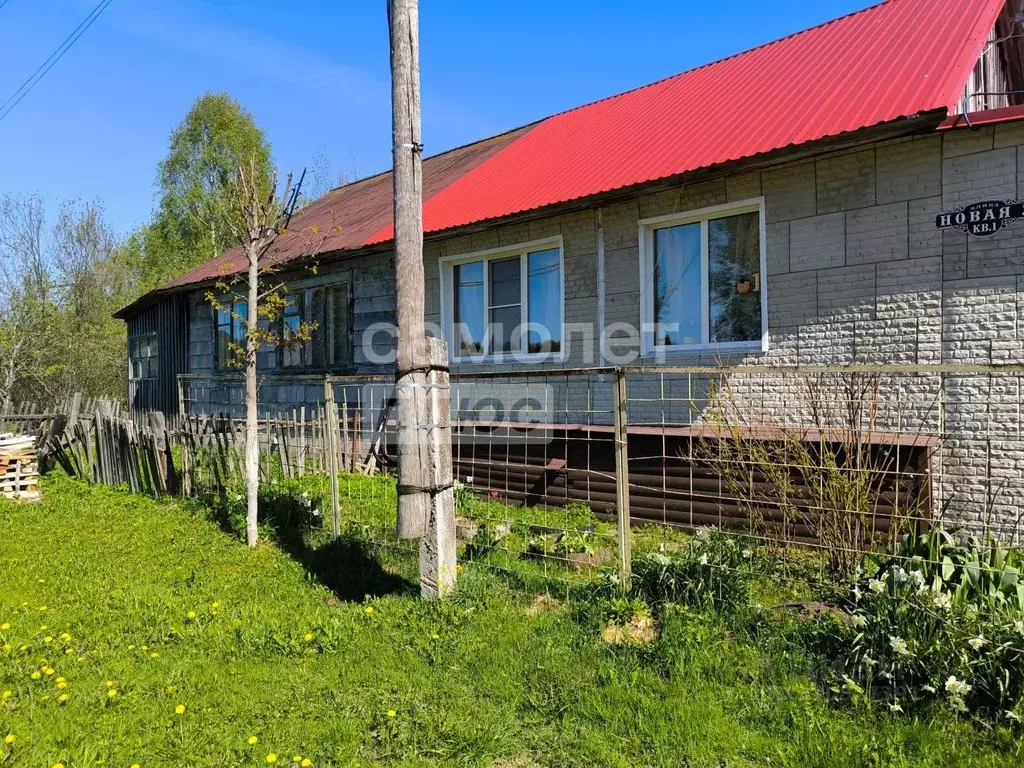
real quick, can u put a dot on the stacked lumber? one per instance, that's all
(19, 468)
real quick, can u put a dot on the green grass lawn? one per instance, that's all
(160, 639)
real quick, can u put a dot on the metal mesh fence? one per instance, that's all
(813, 466)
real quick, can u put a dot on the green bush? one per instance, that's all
(938, 621)
(713, 570)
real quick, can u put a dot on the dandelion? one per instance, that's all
(977, 643)
(6, 695)
(131, 647)
(296, 759)
(252, 740)
(369, 610)
(36, 675)
(435, 636)
(172, 689)
(391, 713)
(8, 647)
(110, 683)
(190, 615)
(154, 655)
(215, 605)
(271, 758)
(306, 762)
(9, 739)
(859, 621)
(957, 687)
(308, 637)
(112, 693)
(5, 626)
(48, 639)
(58, 765)
(48, 671)
(180, 709)
(63, 698)
(43, 608)
(65, 636)
(62, 683)
(136, 765)
(899, 645)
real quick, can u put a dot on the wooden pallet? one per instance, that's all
(19, 468)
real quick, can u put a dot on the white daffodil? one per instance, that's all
(876, 585)
(858, 621)
(704, 559)
(899, 645)
(918, 578)
(901, 576)
(956, 687)
(895, 706)
(929, 688)
(977, 643)
(943, 600)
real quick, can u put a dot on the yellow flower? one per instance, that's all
(145, 647)
(110, 683)
(10, 738)
(6, 695)
(62, 684)
(48, 639)
(309, 637)
(5, 626)
(369, 610)
(271, 758)
(458, 569)
(252, 740)
(391, 713)
(136, 765)
(48, 671)
(180, 709)
(215, 605)
(36, 675)
(131, 647)
(65, 636)
(8, 647)
(296, 758)
(154, 655)
(58, 765)
(172, 689)
(43, 608)
(43, 628)
(63, 698)
(112, 693)
(81, 658)
(435, 636)
(68, 651)
(190, 615)
(306, 762)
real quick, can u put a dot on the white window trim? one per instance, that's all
(445, 264)
(645, 230)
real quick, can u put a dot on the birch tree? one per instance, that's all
(257, 218)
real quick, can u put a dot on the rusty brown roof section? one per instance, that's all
(342, 220)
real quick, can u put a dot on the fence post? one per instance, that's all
(332, 453)
(622, 479)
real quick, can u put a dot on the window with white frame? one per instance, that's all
(142, 357)
(703, 279)
(506, 303)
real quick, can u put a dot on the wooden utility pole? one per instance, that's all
(426, 504)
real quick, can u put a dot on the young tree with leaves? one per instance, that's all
(257, 217)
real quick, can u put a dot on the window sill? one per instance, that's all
(689, 350)
(509, 360)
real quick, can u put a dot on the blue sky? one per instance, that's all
(315, 75)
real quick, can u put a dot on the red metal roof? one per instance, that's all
(893, 60)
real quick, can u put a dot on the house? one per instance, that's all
(842, 195)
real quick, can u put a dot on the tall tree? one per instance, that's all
(216, 138)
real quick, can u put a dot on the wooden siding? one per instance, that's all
(168, 319)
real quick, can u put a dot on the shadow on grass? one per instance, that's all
(348, 566)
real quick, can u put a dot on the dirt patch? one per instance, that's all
(543, 604)
(639, 631)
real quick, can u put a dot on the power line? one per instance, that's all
(54, 57)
